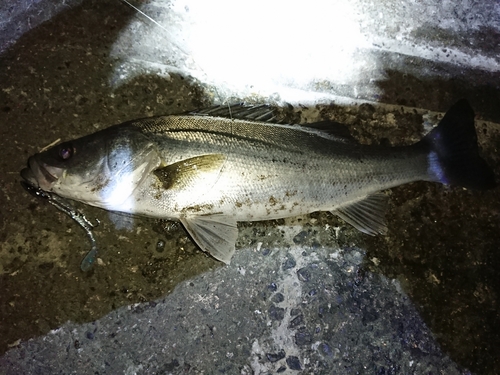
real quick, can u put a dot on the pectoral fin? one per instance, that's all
(366, 215)
(215, 234)
(190, 173)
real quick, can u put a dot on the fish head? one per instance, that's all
(102, 169)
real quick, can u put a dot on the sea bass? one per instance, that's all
(209, 171)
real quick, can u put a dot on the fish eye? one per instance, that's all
(66, 152)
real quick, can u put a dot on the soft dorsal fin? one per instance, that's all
(214, 234)
(366, 215)
(333, 128)
(192, 173)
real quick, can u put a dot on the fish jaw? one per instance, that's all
(41, 175)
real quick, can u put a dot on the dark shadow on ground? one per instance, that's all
(443, 247)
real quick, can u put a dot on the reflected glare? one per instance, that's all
(261, 48)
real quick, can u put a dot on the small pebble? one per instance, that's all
(304, 274)
(289, 263)
(326, 349)
(299, 238)
(160, 246)
(303, 338)
(294, 363)
(272, 287)
(278, 298)
(275, 357)
(295, 322)
(276, 313)
(295, 312)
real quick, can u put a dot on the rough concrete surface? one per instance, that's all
(303, 295)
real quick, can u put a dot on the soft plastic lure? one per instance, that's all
(62, 205)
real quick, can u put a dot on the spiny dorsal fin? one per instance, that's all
(366, 215)
(262, 113)
(266, 113)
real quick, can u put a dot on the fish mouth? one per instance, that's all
(29, 177)
(38, 175)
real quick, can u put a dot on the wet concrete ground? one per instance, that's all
(310, 292)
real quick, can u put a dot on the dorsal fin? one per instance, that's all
(262, 113)
(266, 113)
(333, 128)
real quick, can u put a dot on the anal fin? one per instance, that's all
(366, 215)
(215, 234)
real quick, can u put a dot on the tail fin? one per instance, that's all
(453, 157)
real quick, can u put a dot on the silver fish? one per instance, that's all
(210, 172)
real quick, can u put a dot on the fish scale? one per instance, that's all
(320, 174)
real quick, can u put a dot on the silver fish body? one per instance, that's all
(211, 172)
